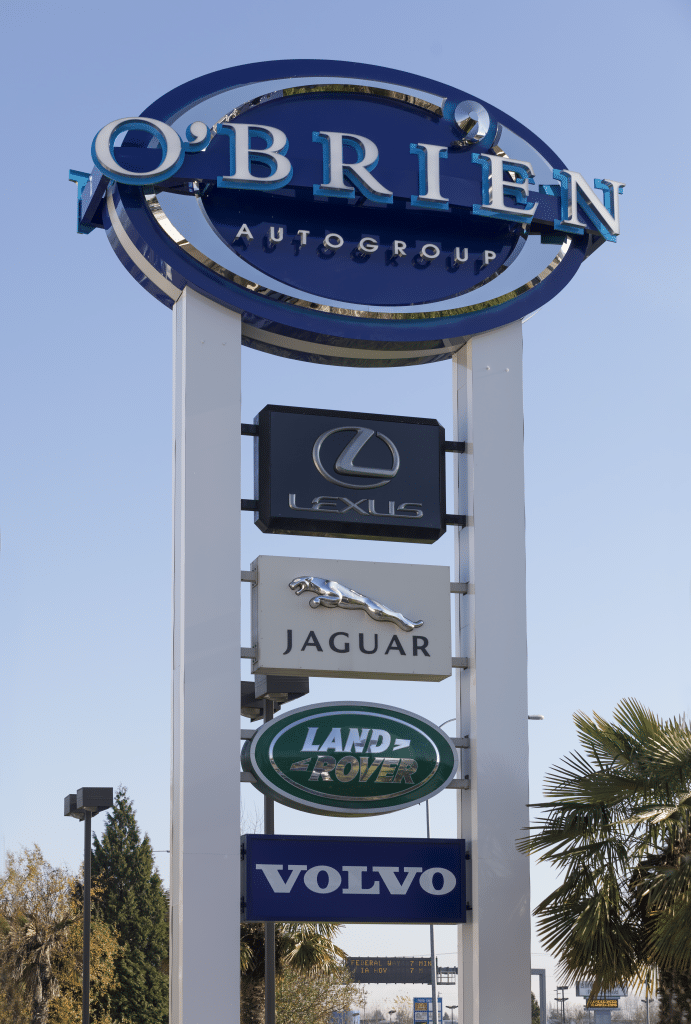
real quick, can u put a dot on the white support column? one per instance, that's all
(205, 771)
(494, 946)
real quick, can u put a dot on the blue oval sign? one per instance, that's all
(352, 214)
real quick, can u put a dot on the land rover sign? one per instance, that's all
(350, 759)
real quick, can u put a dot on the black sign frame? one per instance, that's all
(294, 496)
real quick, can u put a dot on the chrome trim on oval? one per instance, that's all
(139, 260)
(343, 87)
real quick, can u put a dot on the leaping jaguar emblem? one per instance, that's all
(331, 594)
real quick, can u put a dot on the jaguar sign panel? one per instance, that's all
(353, 214)
(335, 878)
(332, 617)
(349, 474)
(351, 760)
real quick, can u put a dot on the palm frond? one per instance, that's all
(616, 826)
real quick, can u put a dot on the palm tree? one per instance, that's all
(617, 827)
(304, 946)
(36, 909)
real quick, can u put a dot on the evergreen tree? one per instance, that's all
(133, 903)
(534, 1009)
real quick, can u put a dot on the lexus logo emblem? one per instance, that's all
(345, 463)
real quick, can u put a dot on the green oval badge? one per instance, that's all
(350, 759)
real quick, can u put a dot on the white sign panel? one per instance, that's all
(330, 617)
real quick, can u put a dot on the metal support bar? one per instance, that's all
(456, 662)
(249, 505)
(461, 741)
(250, 576)
(454, 520)
(248, 652)
(86, 952)
(455, 446)
(246, 777)
(249, 429)
(246, 734)
(269, 926)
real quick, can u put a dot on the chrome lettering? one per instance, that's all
(495, 189)
(357, 172)
(406, 770)
(299, 508)
(356, 740)
(242, 155)
(327, 503)
(323, 766)
(310, 741)
(334, 741)
(355, 505)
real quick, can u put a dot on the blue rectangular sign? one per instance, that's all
(422, 1010)
(331, 878)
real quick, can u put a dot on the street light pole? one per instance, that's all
(84, 805)
(431, 946)
(562, 999)
(452, 1008)
(647, 998)
(86, 922)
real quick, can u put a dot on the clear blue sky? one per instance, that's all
(86, 391)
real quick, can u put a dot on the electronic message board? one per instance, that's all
(390, 970)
